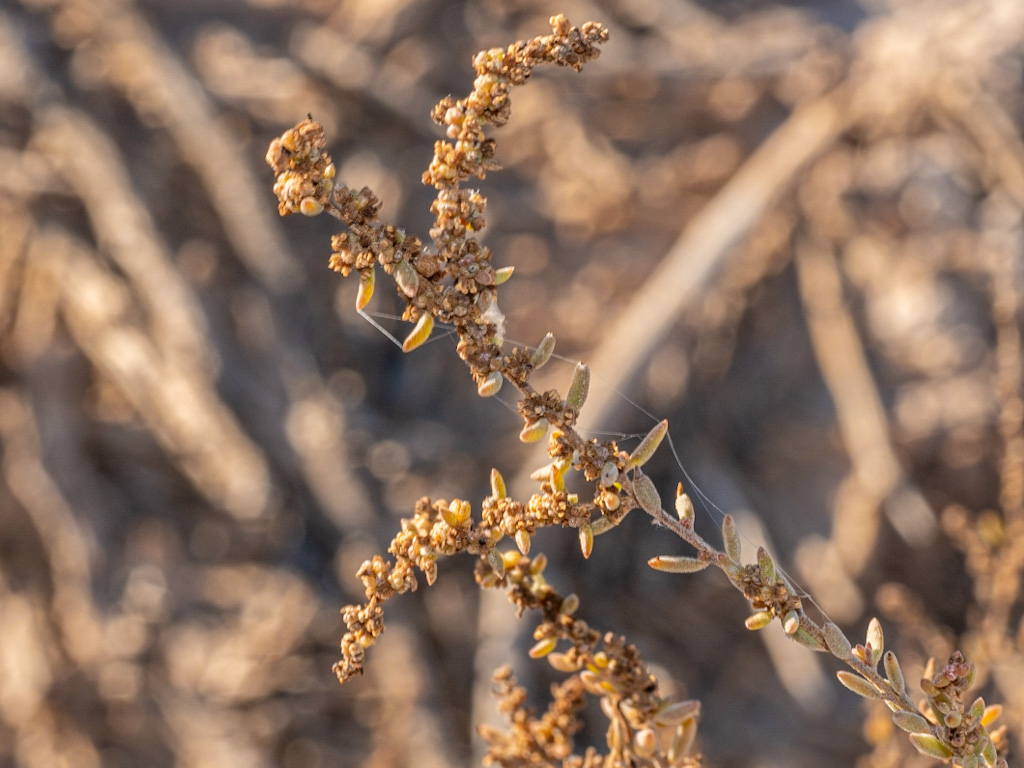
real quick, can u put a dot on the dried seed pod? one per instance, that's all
(407, 278)
(677, 564)
(609, 474)
(310, 206)
(543, 351)
(523, 541)
(490, 384)
(498, 485)
(894, 674)
(534, 431)
(647, 495)
(503, 274)
(643, 452)
(766, 566)
(731, 539)
(911, 722)
(586, 540)
(543, 648)
(578, 387)
(420, 333)
(857, 684)
(759, 620)
(684, 505)
(610, 500)
(791, 622)
(836, 641)
(367, 278)
(497, 563)
(929, 745)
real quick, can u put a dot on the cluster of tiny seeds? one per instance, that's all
(773, 596)
(548, 737)
(642, 723)
(439, 528)
(305, 173)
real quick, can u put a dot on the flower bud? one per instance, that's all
(407, 278)
(643, 452)
(684, 505)
(543, 352)
(578, 387)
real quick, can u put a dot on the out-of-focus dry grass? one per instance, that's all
(796, 232)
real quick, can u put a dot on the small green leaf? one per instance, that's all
(677, 564)
(647, 495)
(766, 565)
(731, 538)
(929, 745)
(808, 640)
(836, 641)
(894, 674)
(911, 722)
(858, 685)
(643, 452)
(502, 274)
(543, 351)
(578, 387)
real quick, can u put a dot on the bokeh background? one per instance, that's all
(792, 229)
